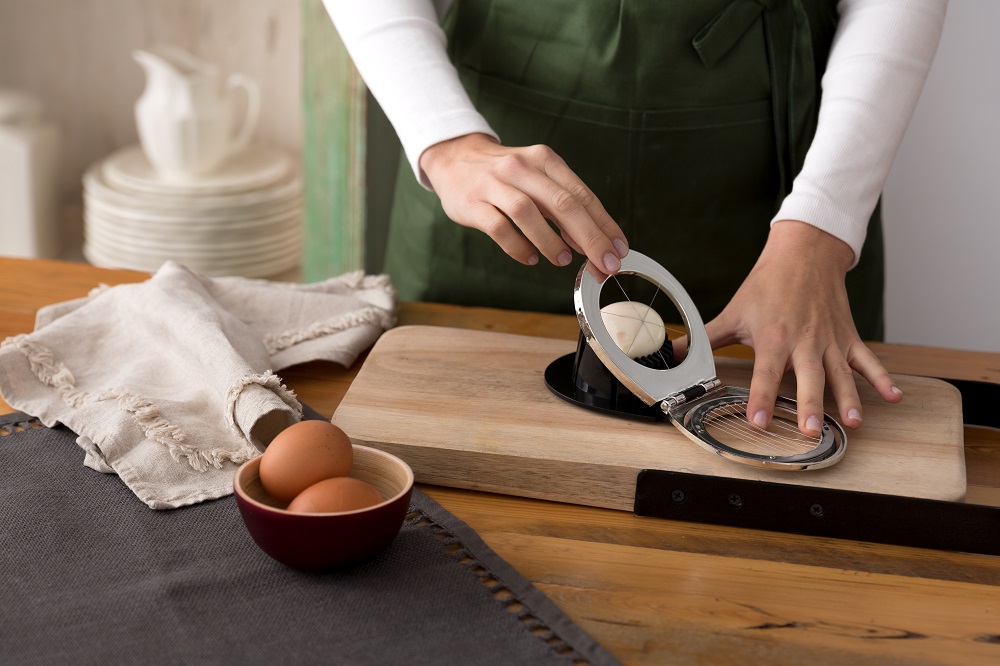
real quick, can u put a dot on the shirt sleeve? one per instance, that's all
(881, 54)
(399, 49)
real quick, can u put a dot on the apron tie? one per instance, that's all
(721, 33)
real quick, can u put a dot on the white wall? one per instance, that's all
(941, 204)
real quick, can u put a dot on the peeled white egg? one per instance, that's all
(636, 328)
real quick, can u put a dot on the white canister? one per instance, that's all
(28, 185)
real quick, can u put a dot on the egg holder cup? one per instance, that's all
(600, 376)
(323, 541)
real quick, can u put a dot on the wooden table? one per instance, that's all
(659, 591)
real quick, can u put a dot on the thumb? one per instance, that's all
(722, 330)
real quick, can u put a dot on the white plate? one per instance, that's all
(96, 188)
(195, 261)
(278, 268)
(182, 219)
(227, 245)
(194, 240)
(102, 256)
(196, 234)
(251, 169)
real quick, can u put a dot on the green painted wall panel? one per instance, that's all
(334, 101)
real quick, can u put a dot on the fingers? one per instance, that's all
(580, 214)
(814, 369)
(862, 359)
(817, 362)
(520, 207)
(572, 243)
(599, 275)
(530, 187)
(840, 378)
(721, 331)
(559, 195)
(496, 225)
(768, 369)
(810, 379)
(680, 347)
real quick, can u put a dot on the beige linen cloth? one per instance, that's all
(170, 383)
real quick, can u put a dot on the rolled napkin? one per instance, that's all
(170, 383)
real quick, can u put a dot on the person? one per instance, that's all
(743, 144)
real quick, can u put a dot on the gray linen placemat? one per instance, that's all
(89, 575)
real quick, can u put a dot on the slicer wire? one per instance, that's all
(690, 394)
(730, 419)
(649, 305)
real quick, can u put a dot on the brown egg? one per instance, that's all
(342, 493)
(303, 454)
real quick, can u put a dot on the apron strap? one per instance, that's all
(781, 23)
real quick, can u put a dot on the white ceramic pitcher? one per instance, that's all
(187, 115)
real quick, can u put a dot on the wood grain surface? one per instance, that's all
(470, 409)
(656, 591)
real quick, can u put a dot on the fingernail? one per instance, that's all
(854, 414)
(611, 263)
(813, 423)
(533, 259)
(760, 419)
(564, 258)
(897, 390)
(620, 247)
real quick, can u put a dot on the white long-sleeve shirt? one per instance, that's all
(880, 57)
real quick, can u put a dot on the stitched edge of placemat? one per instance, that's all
(518, 596)
(536, 612)
(17, 422)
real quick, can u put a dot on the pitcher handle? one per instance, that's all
(252, 91)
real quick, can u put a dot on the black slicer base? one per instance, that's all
(582, 379)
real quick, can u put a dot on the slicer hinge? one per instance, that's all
(696, 391)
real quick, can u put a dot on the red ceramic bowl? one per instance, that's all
(318, 541)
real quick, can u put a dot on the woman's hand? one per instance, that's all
(793, 310)
(509, 193)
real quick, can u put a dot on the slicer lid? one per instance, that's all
(691, 395)
(650, 385)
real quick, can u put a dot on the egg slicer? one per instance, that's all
(688, 394)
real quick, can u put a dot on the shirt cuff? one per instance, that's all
(823, 215)
(447, 126)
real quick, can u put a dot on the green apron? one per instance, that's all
(688, 118)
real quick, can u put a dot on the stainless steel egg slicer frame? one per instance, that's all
(690, 393)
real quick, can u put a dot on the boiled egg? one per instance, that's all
(342, 493)
(302, 455)
(636, 328)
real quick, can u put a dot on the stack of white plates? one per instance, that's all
(245, 219)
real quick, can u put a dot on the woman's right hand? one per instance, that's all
(509, 193)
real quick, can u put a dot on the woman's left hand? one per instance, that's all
(793, 310)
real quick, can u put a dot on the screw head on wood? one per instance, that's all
(816, 511)
(735, 501)
(678, 496)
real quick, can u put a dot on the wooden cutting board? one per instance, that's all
(470, 409)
